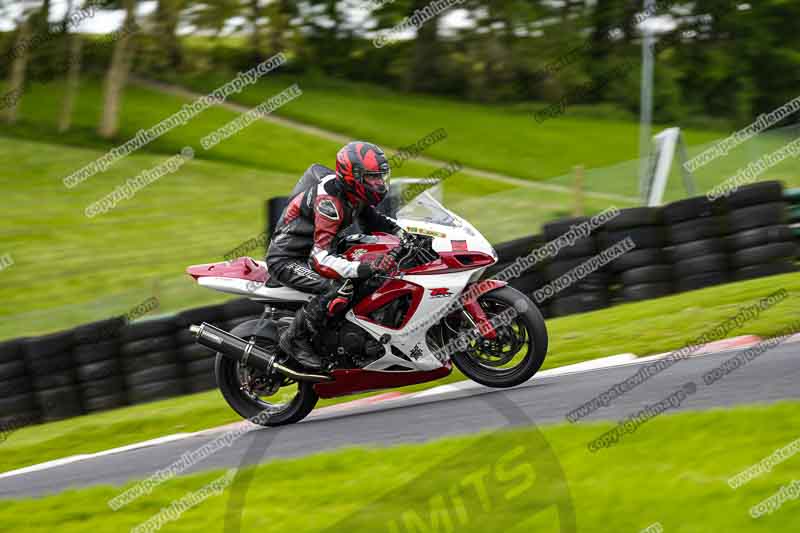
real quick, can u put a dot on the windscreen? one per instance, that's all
(425, 208)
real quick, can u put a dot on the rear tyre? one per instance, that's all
(523, 338)
(258, 399)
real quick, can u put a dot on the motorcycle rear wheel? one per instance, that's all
(524, 339)
(256, 408)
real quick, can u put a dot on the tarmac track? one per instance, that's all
(457, 410)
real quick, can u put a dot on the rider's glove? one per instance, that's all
(377, 264)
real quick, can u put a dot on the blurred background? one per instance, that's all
(80, 78)
(530, 113)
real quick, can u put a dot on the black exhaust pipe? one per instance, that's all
(246, 352)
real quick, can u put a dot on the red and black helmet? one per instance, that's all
(364, 170)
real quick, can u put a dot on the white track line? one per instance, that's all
(733, 344)
(85, 456)
(587, 366)
(577, 368)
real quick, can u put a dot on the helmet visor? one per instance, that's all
(377, 185)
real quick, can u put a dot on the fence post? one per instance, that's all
(579, 191)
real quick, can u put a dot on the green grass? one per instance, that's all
(663, 324)
(642, 328)
(104, 266)
(113, 260)
(503, 213)
(672, 470)
(496, 138)
(705, 178)
(68, 266)
(262, 146)
(502, 138)
(70, 269)
(95, 268)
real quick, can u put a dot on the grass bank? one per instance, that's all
(672, 471)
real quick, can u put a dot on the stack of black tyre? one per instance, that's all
(97, 364)
(590, 293)
(760, 242)
(643, 272)
(793, 197)
(509, 252)
(18, 404)
(150, 360)
(695, 227)
(196, 361)
(52, 370)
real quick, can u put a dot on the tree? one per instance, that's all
(426, 52)
(606, 16)
(213, 15)
(72, 82)
(16, 81)
(72, 71)
(167, 19)
(40, 20)
(426, 66)
(329, 42)
(65, 20)
(254, 20)
(504, 51)
(117, 74)
(20, 54)
(280, 13)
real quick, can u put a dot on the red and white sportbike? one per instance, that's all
(402, 329)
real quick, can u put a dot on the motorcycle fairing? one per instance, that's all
(409, 340)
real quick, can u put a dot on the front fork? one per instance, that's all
(477, 317)
(472, 309)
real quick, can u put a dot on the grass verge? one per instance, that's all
(673, 471)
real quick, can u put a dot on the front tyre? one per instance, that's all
(519, 349)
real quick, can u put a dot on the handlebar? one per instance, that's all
(395, 253)
(408, 244)
(412, 243)
(399, 254)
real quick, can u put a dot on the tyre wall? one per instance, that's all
(686, 245)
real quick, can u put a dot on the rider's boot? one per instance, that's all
(295, 341)
(310, 319)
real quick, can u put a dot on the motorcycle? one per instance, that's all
(403, 329)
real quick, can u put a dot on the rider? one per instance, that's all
(302, 252)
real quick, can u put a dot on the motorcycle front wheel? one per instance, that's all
(517, 352)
